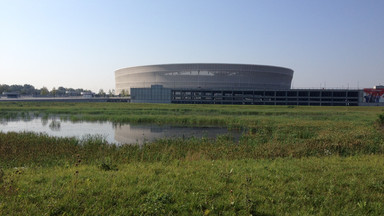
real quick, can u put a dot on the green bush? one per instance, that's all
(1, 176)
(107, 165)
(380, 120)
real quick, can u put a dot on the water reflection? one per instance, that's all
(44, 121)
(146, 133)
(113, 133)
(54, 125)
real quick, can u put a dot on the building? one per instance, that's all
(87, 94)
(225, 84)
(11, 94)
(306, 97)
(204, 76)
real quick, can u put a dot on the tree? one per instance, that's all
(61, 91)
(15, 88)
(44, 91)
(102, 93)
(54, 91)
(111, 92)
(28, 89)
(4, 88)
(124, 92)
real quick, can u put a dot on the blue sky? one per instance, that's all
(80, 43)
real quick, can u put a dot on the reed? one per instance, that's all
(289, 160)
(268, 142)
(329, 185)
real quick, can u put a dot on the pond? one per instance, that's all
(112, 133)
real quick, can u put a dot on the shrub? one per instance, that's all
(1, 176)
(380, 120)
(107, 165)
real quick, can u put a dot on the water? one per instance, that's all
(119, 134)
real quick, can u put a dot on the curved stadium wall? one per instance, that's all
(205, 76)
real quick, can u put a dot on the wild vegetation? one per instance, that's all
(30, 90)
(290, 160)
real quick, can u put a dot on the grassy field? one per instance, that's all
(289, 161)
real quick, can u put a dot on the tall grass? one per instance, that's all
(380, 120)
(270, 132)
(289, 161)
(187, 114)
(29, 149)
(308, 186)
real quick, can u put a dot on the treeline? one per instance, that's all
(30, 90)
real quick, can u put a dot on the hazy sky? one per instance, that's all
(80, 43)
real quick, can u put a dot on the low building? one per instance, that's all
(304, 97)
(87, 94)
(11, 94)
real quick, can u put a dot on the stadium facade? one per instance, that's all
(205, 76)
(224, 84)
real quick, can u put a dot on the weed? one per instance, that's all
(380, 120)
(226, 177)
(289, 161)
(156, 204)
(8, 183)
(1, 176)
(107, 165)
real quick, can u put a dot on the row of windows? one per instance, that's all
(261, 99)
(272, 93)
(267, 103)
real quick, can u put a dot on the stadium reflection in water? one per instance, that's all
(146, 133)
(113, 133)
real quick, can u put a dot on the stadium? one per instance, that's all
(225, 84)
(207, 76)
